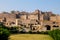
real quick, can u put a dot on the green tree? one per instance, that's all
(55, 34)
(14, 29)
(4, 34)
(13, 11)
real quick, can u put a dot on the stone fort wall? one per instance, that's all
(37, 19)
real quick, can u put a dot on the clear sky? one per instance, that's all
(30, 5)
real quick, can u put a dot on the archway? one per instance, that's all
(48, 27)
(55, 26)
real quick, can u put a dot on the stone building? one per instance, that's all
(34, 21)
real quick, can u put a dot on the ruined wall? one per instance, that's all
(32, 17)
(53, 18)
(23, 17)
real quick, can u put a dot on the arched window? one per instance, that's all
(55, 26)
(54, 22)
(48, 27)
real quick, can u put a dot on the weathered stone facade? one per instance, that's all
(35, 21)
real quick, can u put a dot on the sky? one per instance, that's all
(30, 5)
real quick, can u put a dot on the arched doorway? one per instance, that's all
(48, 27)
(55, 26)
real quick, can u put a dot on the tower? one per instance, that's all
(38, 15)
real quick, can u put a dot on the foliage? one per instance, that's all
(55, 34)
(14, 30)
(13, 11)
(4, 34)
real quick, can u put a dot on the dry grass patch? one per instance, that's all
(30, 37)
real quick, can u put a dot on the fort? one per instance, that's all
(35, 21)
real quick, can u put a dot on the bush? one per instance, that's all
(14, 30)
(55, 34)
(4, 34)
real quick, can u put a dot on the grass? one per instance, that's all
(30, 37)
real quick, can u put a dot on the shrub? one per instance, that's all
(14, 30)
(4, 34)
(55, 34)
